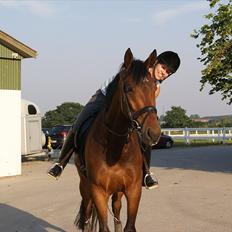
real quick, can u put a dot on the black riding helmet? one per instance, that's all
(171, 59)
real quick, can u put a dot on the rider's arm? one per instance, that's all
(157, 91)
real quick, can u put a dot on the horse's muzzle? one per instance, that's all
(151, 136)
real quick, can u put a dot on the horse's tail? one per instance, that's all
(80, 218)
(94, 220)
(80, 221)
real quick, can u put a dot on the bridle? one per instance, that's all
(133, 117)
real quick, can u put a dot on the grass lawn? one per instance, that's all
(199, 142)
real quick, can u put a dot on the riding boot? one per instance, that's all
(148, 181)
(65, 155)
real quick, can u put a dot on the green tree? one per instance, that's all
(194, 116)
(66, 113)
(199, 124)
(176, 117)
(216, 49)
(221, 122)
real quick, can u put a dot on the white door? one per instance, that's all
(34, 135)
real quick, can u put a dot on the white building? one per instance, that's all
(11, 53)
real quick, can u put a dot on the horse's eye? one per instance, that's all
(128, 89)
(146, 80)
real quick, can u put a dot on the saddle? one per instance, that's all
(81, 133)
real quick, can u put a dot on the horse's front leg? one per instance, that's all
(116, 207)
(83, 221)
(133, 195)
(100, 199)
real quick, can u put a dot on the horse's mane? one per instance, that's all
(138, 71)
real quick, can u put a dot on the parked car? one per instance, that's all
(165, 141)
(58, 135)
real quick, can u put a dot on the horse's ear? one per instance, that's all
(151, 59)
(128, 58)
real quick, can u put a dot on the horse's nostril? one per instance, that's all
(151, 135)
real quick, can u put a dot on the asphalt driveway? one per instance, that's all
(195, 195)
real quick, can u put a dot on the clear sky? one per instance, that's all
(81, 44)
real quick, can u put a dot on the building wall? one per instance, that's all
(10, 69)
(12, 52)
(10, 136)
(8, 53)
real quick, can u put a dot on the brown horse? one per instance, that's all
(113, 147)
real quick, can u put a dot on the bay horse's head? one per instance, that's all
(136, 90)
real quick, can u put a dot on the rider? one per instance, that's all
(166, 64)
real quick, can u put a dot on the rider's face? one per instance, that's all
(161, 72)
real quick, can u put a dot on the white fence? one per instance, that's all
(214, 134)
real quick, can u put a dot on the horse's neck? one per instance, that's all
(115, 118)
(118, 124)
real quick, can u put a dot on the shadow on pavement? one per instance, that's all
(210, 158)
(17, 220)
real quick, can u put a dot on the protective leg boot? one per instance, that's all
(148, 181)
(65, 155)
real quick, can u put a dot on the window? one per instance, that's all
(32, 109)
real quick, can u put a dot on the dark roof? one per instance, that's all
(16, 46)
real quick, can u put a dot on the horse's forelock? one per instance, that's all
(137, 71)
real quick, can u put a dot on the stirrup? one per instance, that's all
(53, 174)
(58, 164)
(155, 185)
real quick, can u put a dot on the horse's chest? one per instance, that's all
(118, 177)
